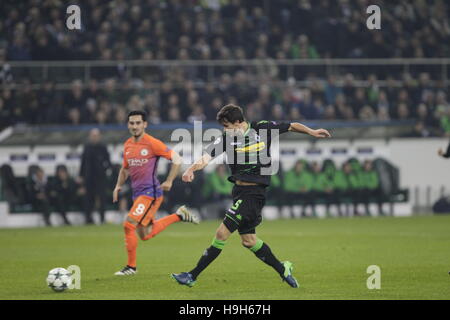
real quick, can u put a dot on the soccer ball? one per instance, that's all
(59, 279)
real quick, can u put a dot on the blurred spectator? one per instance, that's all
(75, 99)
(63, 192)
(419, 130)
(354, 186)
(367, 114)
(322, 186)
(341, 189)
(4, 115)
(302, 49)
(196, 115)
(219, 184)
(445, 121)
(275, 191)
(125, 196)
(402, 112)
(332, 90)
(10, 190)
(38, 192)
(298, 184)
(427, 124)
(19, 49)
(95, 162)
(214, 197)
(370, 187)
(358, 100)
(5, 69)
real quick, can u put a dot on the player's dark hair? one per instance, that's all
(141, 113)
(230, 113)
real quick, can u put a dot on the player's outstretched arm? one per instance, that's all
(174, 169)
(301, 128)
(123, 176)
(188, 175)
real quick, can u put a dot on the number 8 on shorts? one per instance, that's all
(144, 209)
(139, 210)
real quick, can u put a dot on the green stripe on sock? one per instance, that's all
(219, 244)
(257, 246)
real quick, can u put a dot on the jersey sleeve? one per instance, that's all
(160, 149)
(282, 127)
(216, 148)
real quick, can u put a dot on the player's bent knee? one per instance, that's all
(221, 236)
(146, 233)
(128, 224)
(222, 233)
(129, 220)
(248, 243)
(141, 234)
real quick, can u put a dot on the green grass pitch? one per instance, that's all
(330, 256)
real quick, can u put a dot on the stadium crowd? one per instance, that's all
(335, 98)
(225, 30)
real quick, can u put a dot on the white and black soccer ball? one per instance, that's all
(59, 279)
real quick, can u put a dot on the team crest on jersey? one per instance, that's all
(144, 152)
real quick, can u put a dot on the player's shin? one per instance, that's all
(263, 252)
(131, 242)
(161, 224)
(208, 256)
